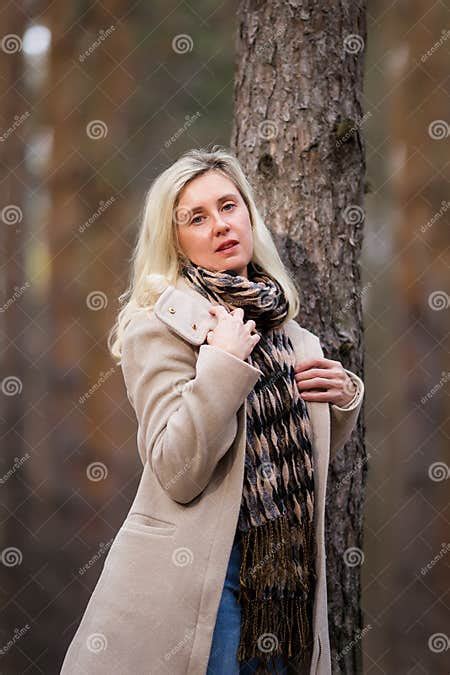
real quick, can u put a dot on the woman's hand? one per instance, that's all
(231, 334)
(325, 380)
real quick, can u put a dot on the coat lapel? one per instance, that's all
(185, 311)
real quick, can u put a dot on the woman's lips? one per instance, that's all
(229, 249)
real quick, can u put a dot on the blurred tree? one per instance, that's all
(15, 384)
(85, 105)
(419, 129)
(298, 108)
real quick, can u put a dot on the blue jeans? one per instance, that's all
(223, 656)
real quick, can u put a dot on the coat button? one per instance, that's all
(172, 310)
(194, 326)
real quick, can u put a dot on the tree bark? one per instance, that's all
(298, 113)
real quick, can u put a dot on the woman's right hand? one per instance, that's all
(231, 334)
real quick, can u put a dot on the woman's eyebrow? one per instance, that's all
(230, 195)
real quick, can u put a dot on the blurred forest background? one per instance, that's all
(99, 97)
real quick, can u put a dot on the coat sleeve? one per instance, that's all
(185, 402)
(344, 418)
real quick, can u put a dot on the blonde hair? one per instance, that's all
(157, 258)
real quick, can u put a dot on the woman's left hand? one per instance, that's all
(325, 380)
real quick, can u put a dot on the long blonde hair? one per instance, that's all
(157, 258)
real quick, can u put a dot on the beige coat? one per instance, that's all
(154, 607)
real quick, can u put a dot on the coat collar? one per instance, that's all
(185, 311)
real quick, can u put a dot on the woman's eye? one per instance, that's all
(194, 220)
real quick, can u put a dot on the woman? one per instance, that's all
(219, 566)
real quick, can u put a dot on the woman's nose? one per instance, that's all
(220, 224)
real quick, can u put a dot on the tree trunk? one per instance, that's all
(298, 109)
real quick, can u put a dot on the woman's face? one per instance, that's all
(211, 211)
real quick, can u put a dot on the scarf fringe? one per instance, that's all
(269, 571)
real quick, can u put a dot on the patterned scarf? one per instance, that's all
(277, 575)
